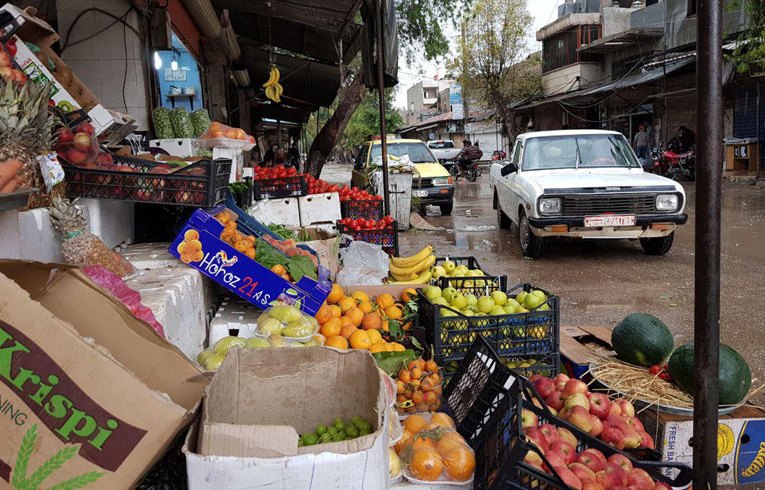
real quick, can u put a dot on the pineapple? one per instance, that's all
(79, 246)
(26, 129)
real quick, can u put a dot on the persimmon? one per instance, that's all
(360, 296)
(324, 314)
(355, 315)
(426, 464)
(337, 342)
(459, 463)
(414, 423)
(442, 420)
(336, 294)
(331, 328)
(385, 300)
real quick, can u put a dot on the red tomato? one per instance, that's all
(655, 369)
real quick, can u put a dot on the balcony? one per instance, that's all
(566, 23)
(571, 77)
(620, 28)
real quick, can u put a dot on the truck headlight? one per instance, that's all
(667, 202)
(549, 205)
(441, 181)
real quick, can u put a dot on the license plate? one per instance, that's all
(609, 220)
(420, 193)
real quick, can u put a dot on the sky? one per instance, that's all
(543, 11)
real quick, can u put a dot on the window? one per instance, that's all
(560, 50)
(517, 153)
(418, 152)
(585, 151)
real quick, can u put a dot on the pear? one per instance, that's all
(257, 342)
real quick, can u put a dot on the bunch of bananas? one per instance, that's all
(414, 269)
(273, 88)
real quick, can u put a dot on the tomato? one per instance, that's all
(356, 228)
(655, 369)
(665, 376)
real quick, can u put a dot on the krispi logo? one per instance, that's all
(60, 404)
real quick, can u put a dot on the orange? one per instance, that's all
(366, 306)
(442, 420)
(426, 464)
(431, 366)
(360, 296)
(331, 328)
(459, 463)
(376, 337)
(336, 311)
(414, 423)
(356, 315)
(385, 300)
(346, 303)
(345, 320)
(378, 347)
(360, 340)
(336, 294)
(408, 295)
(394, 312)
(324, 314)
(372, 321)
(348, 330)
(337, 342)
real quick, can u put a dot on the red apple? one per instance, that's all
(550, 432)
(534, 378)
(615, 421)
(533, 458)
(615, 409)
(568, 477)
(593, 459)
(76, 156)
(556, 460)
(573, 386)
(600, 405)
(5, 59)
(529, 418)
(634, 423)
(567, 450)
(6, 72)
(622, 461)
(582, 472)
(19, 77)
(554, 400)
(632, 438)
(577, 399)
(535, 436)
(65, 135)
(82, 141)
(567, 436)
(592, 486)
(612, 476)
(627, 408)
(85, 127)
(597, 426)
(613, 436)
(640, 479)
(580, 417)
(545, 387)
(647, 440)
(560, 381)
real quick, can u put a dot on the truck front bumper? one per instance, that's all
(646, 226)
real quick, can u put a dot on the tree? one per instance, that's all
(366, 120)
(495, 67)
(749, 53)
(420, 28)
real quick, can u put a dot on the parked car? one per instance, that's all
(431, 183)
(584, 184)
(444, 150)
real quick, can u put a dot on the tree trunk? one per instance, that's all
(326, 140)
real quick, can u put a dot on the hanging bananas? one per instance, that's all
(273, 89)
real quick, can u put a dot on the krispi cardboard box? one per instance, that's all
(261, 399)
(89, 394)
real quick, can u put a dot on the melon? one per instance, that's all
(735, 377)
(642, 339)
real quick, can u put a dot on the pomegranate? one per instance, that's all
(82, 141)
(76, 156)
(5, 59)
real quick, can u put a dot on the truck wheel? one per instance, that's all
(531, 245)
(446, 209)
(659, 245)
(503, 221)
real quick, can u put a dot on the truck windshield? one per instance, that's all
(418, 152)
(440, 145)
(583, 151)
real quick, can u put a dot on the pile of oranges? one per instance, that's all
(418, 387)
(242, 243)
(432, 449)
(358, 322)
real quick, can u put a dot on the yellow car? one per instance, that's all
(431, 184)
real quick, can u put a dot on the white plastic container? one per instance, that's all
(319, 209)
(400, 196)
(179, 147)
(284, 211)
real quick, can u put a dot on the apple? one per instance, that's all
(597, 426)
(593, 459)
(568, 477)
(432, 292)
(449, 266)
(600, 405)
(529, 419)
(85, 127)
(560, 381)
(5, 59)
(577, 399)
(573, 386)
(471, 299)
(621, 460)
(554, 400)
(6, 72)
(647, 440)
(567, 450)
(65, 135)
(592, 486)
(627, 408)
(534, 379)
(550, 432)
(615, 421)
(582, 472)
(555, 460)
(458, 302)
(632, 438)
(614, 409)
(19, 77)
(438, 271)
(567, 436)
(534, 436)
(82, 141)
(634, 423)
(485, 304)
(76, 156)
(612, 476)
(580, 417)
(499, 298)
(640, 479)
(612, 435)
(533, 458)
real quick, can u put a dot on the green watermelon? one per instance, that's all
(735, 377)
(642, 339)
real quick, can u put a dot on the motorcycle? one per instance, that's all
(680, 165)
(471, 173)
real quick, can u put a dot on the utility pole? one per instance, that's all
(381, 93)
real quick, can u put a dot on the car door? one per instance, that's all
(508, 191)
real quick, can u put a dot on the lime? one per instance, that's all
(337, 419)
(310, 439)
(365, 431)
(356, 419)
(339, 424)
(332, 431)
(352, 431)
(321, 429)
(326, 437)
(359, 423)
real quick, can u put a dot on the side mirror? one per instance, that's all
(509, 169)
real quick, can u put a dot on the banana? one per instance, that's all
(278, 89)
(405, 277)
(427, 263)
(412, 259)
(273, 77)
(423, 278)
(269, 93)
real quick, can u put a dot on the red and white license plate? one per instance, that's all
(609, 220)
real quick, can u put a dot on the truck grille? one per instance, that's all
(421, 183)
(602, 204)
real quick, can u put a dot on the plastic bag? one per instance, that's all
(431, 450)
(364, 264)
(418, 387)
(163, 126)
(121, 291)
(212, 357)
(288, 322)
(200, 119)
(181, 121)
(218, 135)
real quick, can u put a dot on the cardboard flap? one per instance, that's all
(259, 441)
(31, 276)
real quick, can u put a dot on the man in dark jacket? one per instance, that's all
(468, 154)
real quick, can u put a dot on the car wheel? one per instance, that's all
(657, 246)
(446, 209)
(531, 245)
(502, 220)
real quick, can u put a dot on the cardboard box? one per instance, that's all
(178, 147)
(579, 346)
(740, 442)
(85, 387)
(37, 72)
(111, 126)
(247, 440)
(284, 211)
(328, 252)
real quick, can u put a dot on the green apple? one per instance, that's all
(438, 271)
(459, 302)
(510, 309)
(448, 266)
(448, 293)
(497, 310)
(441, 301)
(512, 302)
(432, 292)
(468, 312)
(471, 299)
(541, 294)
(544, 307)
(460, 271)
(521, 296)
(499, 298)
(521, 310)
(447, 312)
(485, 304)
(532, 301)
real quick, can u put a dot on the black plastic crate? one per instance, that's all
(363, 208)
(294, 186)
(478, 285)
(500, 448)
(529, 335)
(201, 184)
(470, 261)
(545, 365)
(387, 238)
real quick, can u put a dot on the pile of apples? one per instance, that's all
(78, 146)
(7, 71)
(613, 422)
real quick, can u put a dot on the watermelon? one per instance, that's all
(735, 377)
(642, 339)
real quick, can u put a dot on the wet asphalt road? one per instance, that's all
(600, 282)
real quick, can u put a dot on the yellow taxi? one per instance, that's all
(431, 184)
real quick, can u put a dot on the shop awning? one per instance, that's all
(640, 76)
(627, 37)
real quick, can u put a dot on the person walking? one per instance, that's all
(640, 142)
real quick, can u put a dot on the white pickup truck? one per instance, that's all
(584, 184)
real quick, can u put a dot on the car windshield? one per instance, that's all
(440, 145)
(580, 151)
(418, 152)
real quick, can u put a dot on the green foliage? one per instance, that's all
(749, 53)
(421, 25)
(366, 120)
